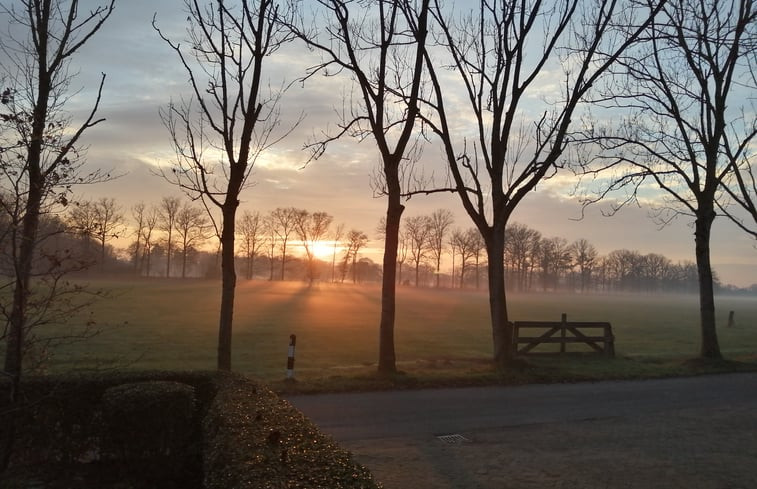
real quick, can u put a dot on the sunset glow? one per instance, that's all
(324, 250)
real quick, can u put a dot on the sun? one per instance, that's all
(324, 249)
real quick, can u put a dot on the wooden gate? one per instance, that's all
(562, 333)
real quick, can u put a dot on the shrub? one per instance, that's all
(148, 420)
(254, 439)
(237, 431)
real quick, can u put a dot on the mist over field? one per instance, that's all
(172, 324)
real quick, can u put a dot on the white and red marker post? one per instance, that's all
(290, 356)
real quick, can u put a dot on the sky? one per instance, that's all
(143, 75)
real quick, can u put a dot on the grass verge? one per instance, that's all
(446, 372)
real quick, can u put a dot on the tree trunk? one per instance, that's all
(228, 285)
(501, 328)
(168, 255)
(283, 259)
(15, 340)
(387, 356)
(709, 341)
(438, 268)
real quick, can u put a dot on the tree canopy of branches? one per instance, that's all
(229, 121)
(284, 223)
(356, 240)
(685, 126)
(439, 222)
(311, 229)
(252, 231)
(371, 42)
(505, 52)
(193, 228)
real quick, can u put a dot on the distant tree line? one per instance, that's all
(533, 262)
(175, 238)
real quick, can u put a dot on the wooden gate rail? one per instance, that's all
(603, 344)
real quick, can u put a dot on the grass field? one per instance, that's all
(172, 324)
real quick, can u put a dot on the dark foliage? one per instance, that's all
(168, 430)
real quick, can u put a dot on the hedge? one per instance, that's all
(223, 430)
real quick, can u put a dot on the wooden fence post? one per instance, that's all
(563, 326)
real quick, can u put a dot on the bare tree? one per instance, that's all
(478, 249)
(312, 228)
(585, 258)
(418, 232)
(554, 259)
(336, 237)
(168, 212)
(193, 228)
(252, 231)
(82, 221)
(685, 129)
(270, 229)
(109, 223)
(503, 52)
(519, 246)
(230, 114)
(284, 221)
(402, 250)
(152, 218)
(462, 242)
(440, 222)
(138, 211)
(41, 153)
(356, 240)
(370, 43)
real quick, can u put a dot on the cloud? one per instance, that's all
(144, 75)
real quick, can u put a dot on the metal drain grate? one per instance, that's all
(453, 439)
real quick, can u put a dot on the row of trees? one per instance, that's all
(532, 261)
(176, 226)
(669, 70)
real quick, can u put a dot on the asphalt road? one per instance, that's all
(365, 416)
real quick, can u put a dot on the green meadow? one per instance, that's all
(172, 324)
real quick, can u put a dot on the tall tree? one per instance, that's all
(138, 211)
(152, 218)
(418, 232)
(230, 111)
(519, 246)
(685, 127)
(252, 231)
(82, 221)
(336, 238)
(312, 228)
(439, 222)
(356, 240)
(168, 212)
(270, 229)
(284, 221)
(585, 257)
(109, 223)
(193, 228)
(505, 52)
(464, 244)
(41, 154)
(370, 42)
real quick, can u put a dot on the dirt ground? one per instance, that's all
(692, 449)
